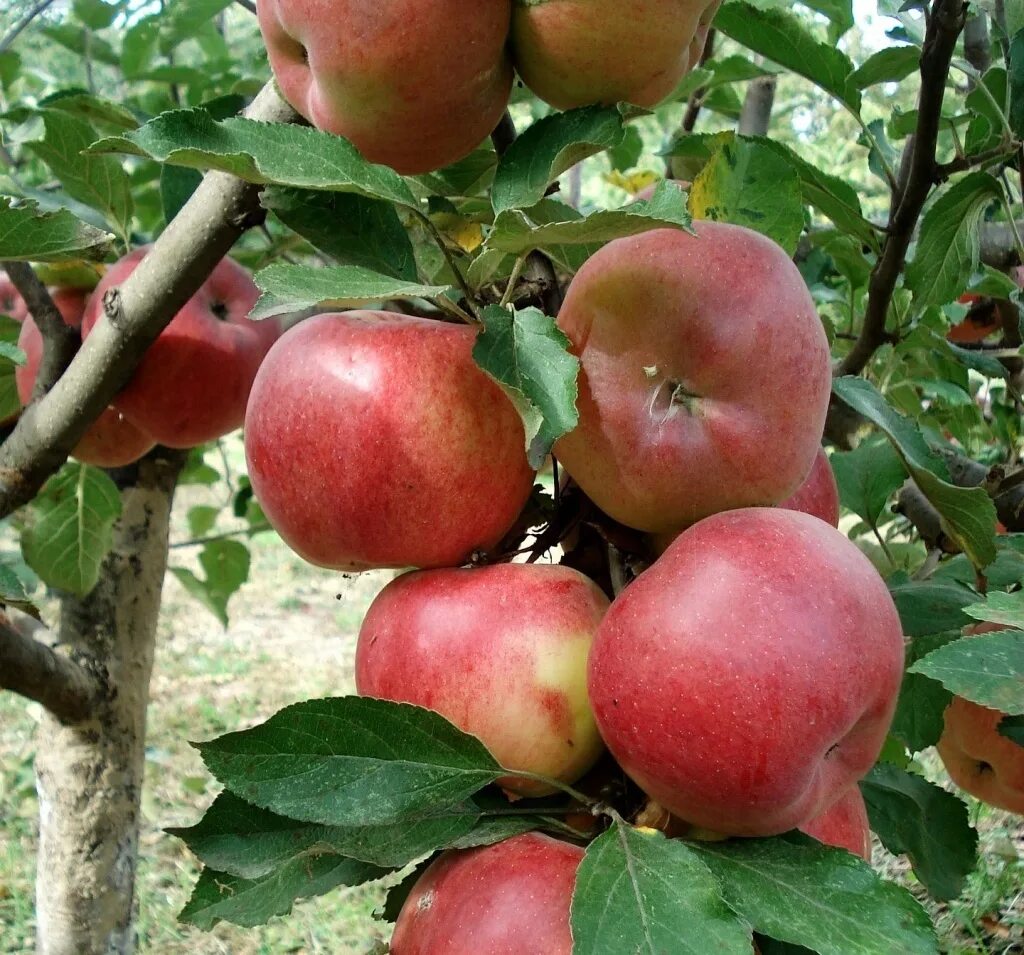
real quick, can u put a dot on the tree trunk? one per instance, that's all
(89, 776)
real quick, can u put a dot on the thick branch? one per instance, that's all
(756, 114)
(34, 670)
(916, 175)
(220, 210)
(60, 341)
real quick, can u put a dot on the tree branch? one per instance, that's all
(696, 100)
(251, 7)
(914, 182)
(22, 23)
(38, 672)
(220, 210)
(756, 115)
(60, 340)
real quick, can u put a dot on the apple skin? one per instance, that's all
(388, 77)
(410, 456)
(705, 376)
(500, 651)
(977, 757)
(577, 52)
(509, 898)
(193, 382)
(844, 824)
(111, 441)
(819, 494)
(748, 678)
(11, 303)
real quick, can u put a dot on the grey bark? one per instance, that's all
(89, 774)
(756, 114)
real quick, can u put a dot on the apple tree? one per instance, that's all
(677, 350)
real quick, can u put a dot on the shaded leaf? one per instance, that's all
(528, 355)
(226, 564)
(27, 234)
(928, 825)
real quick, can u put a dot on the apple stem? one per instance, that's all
(556, 784)
(513, 279)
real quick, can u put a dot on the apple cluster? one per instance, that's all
(745, 681)
(193, 383)
(390, 78)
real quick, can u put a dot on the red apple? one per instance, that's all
(501, 651)
(112, 441)
(577, 52)
(747, 679)
(819, 494)
(978, 758)
(415, 84)
(374, 440)
(844, 824)
(511, 898)
(193, 382)
(11, 303)
(705, 376)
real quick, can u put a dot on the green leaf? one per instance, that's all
(72, 527)
(289, 288)
(968, 514)
(352, 761)
(550, 147)
(13, 592)
(94, 14)
(986, 669)
(799, 891)
(249, 842)
(10, 402)
(1007, 609)
(748, 184)
(867, 477)
(780, 36)
(183, 19)
(467, 177)
(831, 196)
(514, 233)
(1012, 727)
(887, 66)
(176, 187)
(527, 354)
(930, 606)
(95, 110)
(226, 564)
(220, 897)
(949, 246)
(1015, 75)
(918, 721)
(928, 825)
(264, 153)
(637, 891)
(352, 229)
(98, 181)
(26, 234)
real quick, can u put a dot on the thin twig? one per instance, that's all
(12, 35)
(460, 279)
(696, 100)
(251, 7)
(914, 182)
(60, 341)
(33, 670)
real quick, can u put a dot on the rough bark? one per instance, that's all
(89, 775)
